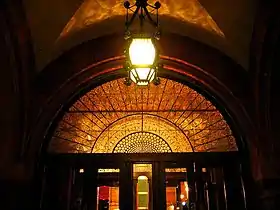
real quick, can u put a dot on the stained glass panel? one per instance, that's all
(170, 117)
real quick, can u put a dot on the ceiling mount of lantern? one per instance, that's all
(142, 59)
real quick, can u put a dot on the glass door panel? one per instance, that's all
(142, 185)
(177, 189)
(108, 189)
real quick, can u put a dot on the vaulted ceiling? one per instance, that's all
(59, 25)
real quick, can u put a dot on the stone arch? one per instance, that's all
(188, 66)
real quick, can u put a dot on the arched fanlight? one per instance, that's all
(141, 52)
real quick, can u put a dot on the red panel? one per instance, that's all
(103, 193)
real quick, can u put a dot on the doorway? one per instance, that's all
(204, 181)
(159, 147)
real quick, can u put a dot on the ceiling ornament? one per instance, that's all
(141, 53)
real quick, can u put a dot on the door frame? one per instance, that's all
(124, 162)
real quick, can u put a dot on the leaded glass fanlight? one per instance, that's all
(115, 118)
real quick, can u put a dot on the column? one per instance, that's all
(159, 194)
(126, 187)
(90, 189)
(200, 202)
(77, 189)
(233, 186)
(211, 183)
(191, 184)
(57, 190)
(220, 196)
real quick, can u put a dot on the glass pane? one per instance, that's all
(142, 183)
(77, 189)
(177, 189)
(108, 189)
(153, 119)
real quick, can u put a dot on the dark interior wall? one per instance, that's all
(15, 65)
(9, 117)
(270, 184)
(17, 68)
(9, 103)
(274, 109)
(264, 62)
(264, 72)
(270, 90)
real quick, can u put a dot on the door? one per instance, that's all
(200, 186)
(108, 188)
(145, 186)
(180, 189)
(132, 185)
(146, 182)
(142, 186)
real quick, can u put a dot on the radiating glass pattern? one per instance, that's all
(115, 118)
(142, 143)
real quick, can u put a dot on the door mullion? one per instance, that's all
(191, 183)
(159, 195)
(90, 188)
(126, 187)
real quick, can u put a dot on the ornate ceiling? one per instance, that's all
(57, 26)
(115, 118)
(92, 11)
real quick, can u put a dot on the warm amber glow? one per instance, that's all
(142, 167)
(107, 119)
(142, 143)
(108, 170)
(142, 178)
(168, 170)
(144, 75)
(142, 55)
(93, 11)
(171, 197)
(89, 138)
(114, 198)
(186, 190)
(142, 52)
(142, 189)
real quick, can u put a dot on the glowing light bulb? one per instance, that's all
(142, 52)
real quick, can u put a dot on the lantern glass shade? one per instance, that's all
(142, 76)
(142, 56)
(142, 52)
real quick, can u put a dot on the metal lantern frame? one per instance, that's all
(153, 67)
(142, 11)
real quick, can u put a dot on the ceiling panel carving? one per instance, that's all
(170, 115)
(93, 11)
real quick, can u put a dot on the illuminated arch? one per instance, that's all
(139, 123)
(98, 121)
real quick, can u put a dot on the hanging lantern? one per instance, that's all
(141, 52)
(142, 61)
